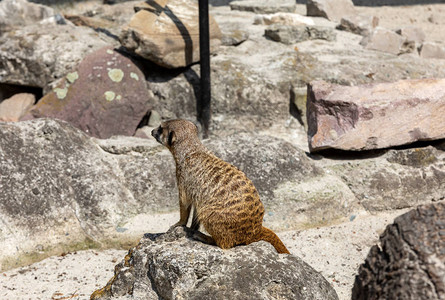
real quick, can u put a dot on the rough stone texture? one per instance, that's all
(171, 266)
(375, 116)
(432, 50)
(385, 40)
(15, 13)
(410, 263)
(12, 109)
(37, 55)
(167, 33)
(106, 96)
(358, 24)
(412, 33)
(332, 10)
(392, 179)
(233, 36)
(295, 34)
(283, 18)
(57, 192)
(264, 6)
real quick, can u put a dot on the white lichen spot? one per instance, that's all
(109, 95)
(109, 51)
(61, 93)
(134, 76)
(71, 77)
(116, 75)
(118, 97)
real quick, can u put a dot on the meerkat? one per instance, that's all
(225, 202)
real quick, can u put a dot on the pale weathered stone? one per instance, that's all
(12, 109)
(167, 33)
(283, 18)
(412, 33)
(264, 6)
(172, 266)
(385, 40)
(375, 116)
(432, 50)
(21, 12)
(332, 10)
(410, 262)
(358, 24)
(294, 34)
(233, 36)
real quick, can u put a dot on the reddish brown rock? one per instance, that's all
(375, 116)
(106, 96)
(12, 109)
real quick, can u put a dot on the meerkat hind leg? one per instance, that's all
(195, 222)
(199, 236)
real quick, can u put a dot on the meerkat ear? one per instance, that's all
(171, 138)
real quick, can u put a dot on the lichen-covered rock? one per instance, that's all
(105, 96)
(167, 33)
(172, 266)
(410, 263)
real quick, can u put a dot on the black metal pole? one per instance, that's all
(203, 107)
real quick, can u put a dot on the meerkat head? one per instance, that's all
(172, 132)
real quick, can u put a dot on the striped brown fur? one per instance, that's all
(225, 201)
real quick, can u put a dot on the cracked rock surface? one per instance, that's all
(410, 264)
(171, 266)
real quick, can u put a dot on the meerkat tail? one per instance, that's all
(270, 236)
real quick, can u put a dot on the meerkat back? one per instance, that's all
(226, 202)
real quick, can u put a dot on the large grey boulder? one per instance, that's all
(172, 266)
(18, 13)
(375, 116)
(37, 55)
(410, 263)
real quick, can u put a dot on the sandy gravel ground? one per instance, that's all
(335, 251)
